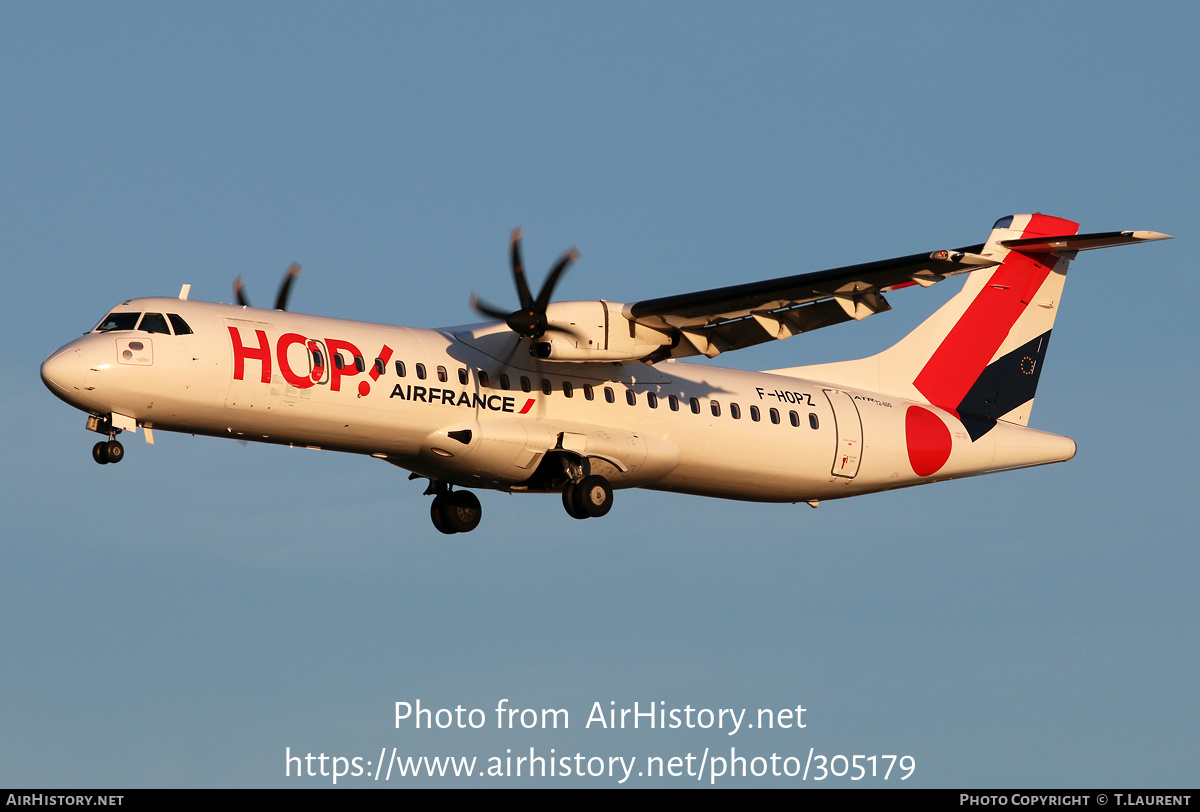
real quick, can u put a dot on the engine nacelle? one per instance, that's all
(594, 332)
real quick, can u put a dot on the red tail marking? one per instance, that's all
(957, 363)
(928, 440)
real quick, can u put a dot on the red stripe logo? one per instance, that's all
(970, 345)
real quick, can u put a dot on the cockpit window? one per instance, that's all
(181, 326)
(154, 323)
(118, 321)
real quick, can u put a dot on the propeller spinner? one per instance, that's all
(285, 288)
(530, 320)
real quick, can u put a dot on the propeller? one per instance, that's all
(285, 288)
(530, 320)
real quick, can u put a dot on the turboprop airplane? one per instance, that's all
(583, 397)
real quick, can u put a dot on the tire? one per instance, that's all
(437, 512)
(593, 496)
(463, 511)
(98, 453)
(114, 452)
(569, 497)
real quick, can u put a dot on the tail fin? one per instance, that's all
(980, 355)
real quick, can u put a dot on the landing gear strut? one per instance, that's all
(590, 498)
(455, 511)
(103, 452)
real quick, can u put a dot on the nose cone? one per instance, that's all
(64, 372)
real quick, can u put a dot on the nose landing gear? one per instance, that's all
(104, 453)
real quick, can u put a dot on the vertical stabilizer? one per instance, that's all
(980, 355)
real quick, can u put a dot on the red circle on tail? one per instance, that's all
(929, 441)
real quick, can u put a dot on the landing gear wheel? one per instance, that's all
(98, 453)
(456, 512)
(569, 497)
(437, 512)
(593, 496)
(114, 452)
(464, 511)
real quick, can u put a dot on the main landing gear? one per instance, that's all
(584, 495)
(460, 511)
(455, 511)
(589, 498)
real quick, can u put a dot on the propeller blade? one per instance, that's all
(529, 321)
(285, 286)
(563, 328)
(507, 362)
(484, 309)
(518, 270)
(238, 295)
(543, 299)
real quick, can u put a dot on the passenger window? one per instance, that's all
(443, 376)
(775, 416)
(609, 396)
(652, 399)
(318, 360)
(181, 326)
(503, 381)
(630, 397)
(380, 367)
(337, 361)
(568, 390)
(588, 394)
(421, 371)
(735, 411)
(812, 420)
(674, 401)
(754, 415)
(716, 408)
(484, 380)
(400, 369)
(526, 386)
(462, 375)
(360, 363)
(546, 388)
(795, 418)
(695, 403)
(154, 323)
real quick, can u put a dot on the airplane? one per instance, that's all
(584, 397)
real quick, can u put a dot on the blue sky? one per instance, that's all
(181, 619)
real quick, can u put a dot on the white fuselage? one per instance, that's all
(472, 408)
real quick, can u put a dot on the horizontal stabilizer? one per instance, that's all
(1081, 242)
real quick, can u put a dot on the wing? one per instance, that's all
(730, 318)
